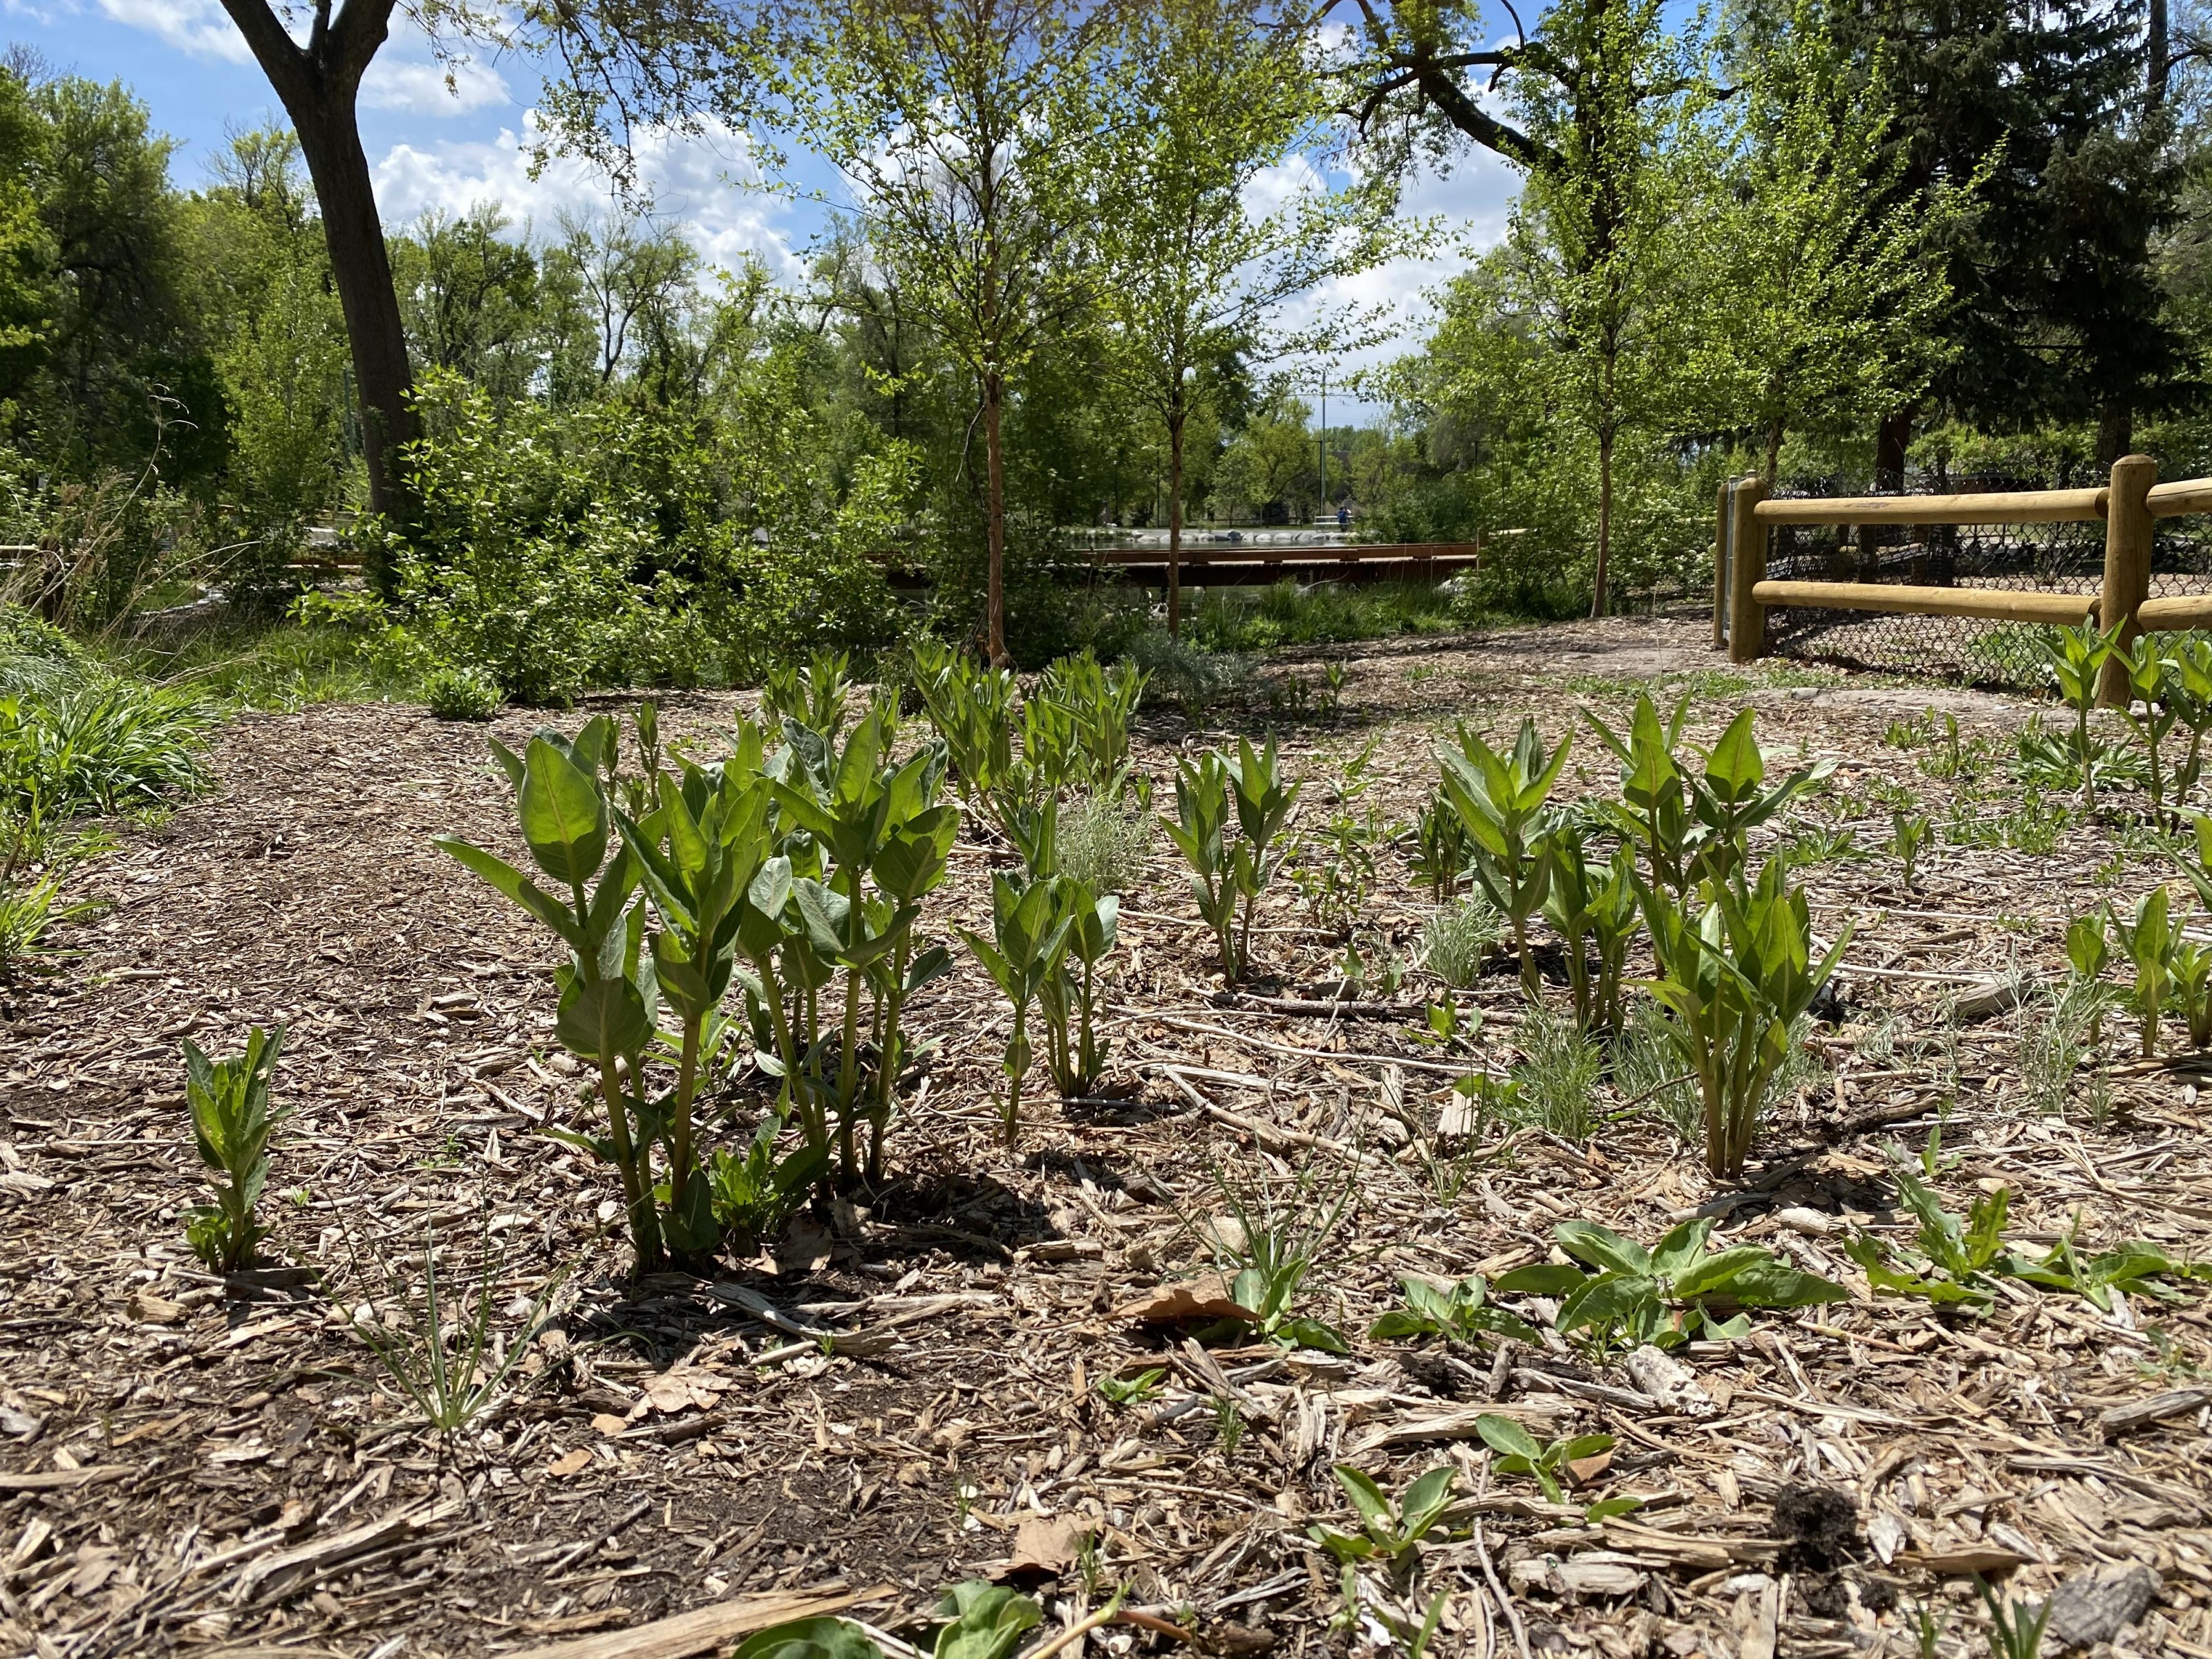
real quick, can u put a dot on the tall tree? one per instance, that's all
(1594, 96)
(1214, 99)
(1826, 289)
(967, 131)
(318, 82)
(1604, 212)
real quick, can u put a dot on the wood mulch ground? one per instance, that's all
(192, 1463)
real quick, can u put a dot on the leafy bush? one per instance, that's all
(558, 550)
(461, 694)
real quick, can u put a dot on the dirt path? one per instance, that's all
(184, 1462)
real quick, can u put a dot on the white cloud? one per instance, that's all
(697, 183)
(422, 89)
(197, 26)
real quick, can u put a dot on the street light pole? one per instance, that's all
(1321, 507)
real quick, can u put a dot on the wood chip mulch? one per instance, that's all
(903, 1390)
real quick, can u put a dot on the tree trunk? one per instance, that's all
(1773, 453)
(1175, 417)
(1890, 442)
(2115, 429)
(318, 85)
(1604, 520)
(994, 523)
(2158, 57)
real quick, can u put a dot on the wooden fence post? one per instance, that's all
(1721, 571)
(2127, 527)
(1746, 566)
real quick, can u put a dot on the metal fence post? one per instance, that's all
(2128, 529)
(1746, 568)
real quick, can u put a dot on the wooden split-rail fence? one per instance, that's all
(2130, 503)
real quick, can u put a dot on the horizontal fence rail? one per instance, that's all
(2129, 505)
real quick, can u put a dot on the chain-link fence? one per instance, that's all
(2051, 558)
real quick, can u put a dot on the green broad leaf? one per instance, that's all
(1366, 1498)
(1398, 1324)
(1582, 1445)
(1498, 1323)
(1735, 769)
(1601, 1248)
(1508, 1438)
(553, 912)
(1769, 1283)
(809, 1639)
(929, 965)
(598, 1146)
(1609, 1299)
(1425, 1500)
(602, 1017)
(1725, 1330)
(987, 1621)
(1681, 1251)
(1313, 1333)
(1343, 1546)
(1606, 1509)
(1541, 1279)
(563, 816)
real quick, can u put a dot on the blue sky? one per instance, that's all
(438, 148)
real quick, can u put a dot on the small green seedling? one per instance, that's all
(232, 1123)
(1956, 1253)
(1390, 1532)
(1909, 833)
(987, 1621)
(811, 1639)
(2017, 1628)
(1458, 1314)
(1134, 1390)
(1519, 1452)
(2131, 1268)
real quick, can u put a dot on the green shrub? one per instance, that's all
(462, 693)
(35, 656)
(1194, 676)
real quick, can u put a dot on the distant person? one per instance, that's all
(1343, 516)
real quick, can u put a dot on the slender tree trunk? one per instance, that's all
(318, 85)
(994, 522)
(1773, 453)
(1604, 519)
(1175, 417)
(2115, 429)
(2158, 57)
(1890, 440)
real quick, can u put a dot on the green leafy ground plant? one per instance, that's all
(1520, 1452)
(1625, 1296)
(1499, 799)
(231, 1122)
(1734, 980)
(1460, 1314)
(1390, 1530)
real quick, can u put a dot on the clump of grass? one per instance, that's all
(1103, 841)
(2059, 1033)
(1457, 939)
(1647, 1071)
(36, 657)
(1560, 1066)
